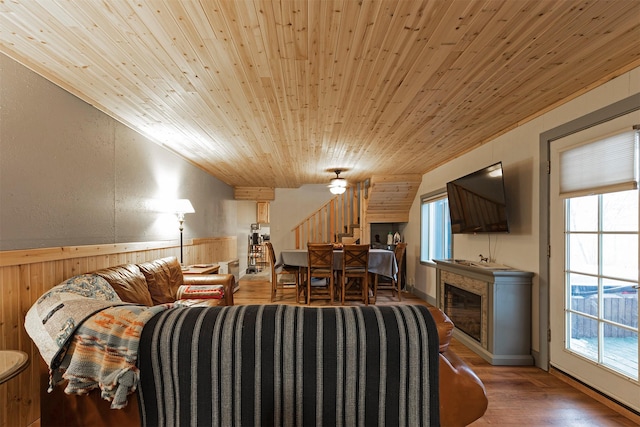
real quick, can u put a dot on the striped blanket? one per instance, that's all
(291, 366)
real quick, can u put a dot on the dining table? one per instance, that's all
(381, 261)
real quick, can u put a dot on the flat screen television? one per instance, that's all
(477, 202)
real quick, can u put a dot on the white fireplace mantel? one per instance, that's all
(505, 307)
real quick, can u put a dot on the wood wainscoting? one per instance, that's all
(27, 274)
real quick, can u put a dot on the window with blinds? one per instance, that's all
(602, 166)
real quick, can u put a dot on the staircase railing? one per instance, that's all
(338, 217)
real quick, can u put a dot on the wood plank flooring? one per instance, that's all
(518, 395)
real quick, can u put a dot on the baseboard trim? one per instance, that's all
(596, 395)
(423, 296)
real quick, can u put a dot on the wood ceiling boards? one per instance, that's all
(280, 93)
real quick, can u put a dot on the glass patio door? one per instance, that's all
(594, 258)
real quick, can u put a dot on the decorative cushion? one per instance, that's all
(128, 282)
(200, 292)
(164, 277)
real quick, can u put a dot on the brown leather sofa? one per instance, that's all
(462, 395)
(463, 398)
(157, 282)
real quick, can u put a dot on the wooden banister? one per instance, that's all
(336, 217)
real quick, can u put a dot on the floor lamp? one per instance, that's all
(183, 206)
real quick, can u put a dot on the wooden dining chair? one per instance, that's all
(320, 266)
(355, 274)
(395, 285)
(279, 270)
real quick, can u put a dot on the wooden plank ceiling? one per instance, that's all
(278, 93)
(390, 197)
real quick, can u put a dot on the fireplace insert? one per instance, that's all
(464, 308)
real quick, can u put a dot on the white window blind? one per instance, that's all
(602, 166)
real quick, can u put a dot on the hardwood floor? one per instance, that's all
(518, 395)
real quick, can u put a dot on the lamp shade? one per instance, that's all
(183, 206)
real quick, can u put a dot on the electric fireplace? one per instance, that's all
(490, 308)
(464, 308)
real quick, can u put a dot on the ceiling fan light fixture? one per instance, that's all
(338, 185)
(337, 190)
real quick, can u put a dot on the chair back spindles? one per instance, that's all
(399, 253)
(355, 265)
(396, 283)
(280, 270)
(320, 265)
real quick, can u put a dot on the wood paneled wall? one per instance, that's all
(27, 274)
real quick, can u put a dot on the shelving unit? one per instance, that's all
(257, 257)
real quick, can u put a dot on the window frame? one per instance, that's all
(425, 200)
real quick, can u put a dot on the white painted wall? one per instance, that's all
(290, 207)
(519, 151)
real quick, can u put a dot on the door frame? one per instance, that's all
(612, 111)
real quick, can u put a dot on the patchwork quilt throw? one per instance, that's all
(56, 315)
(103, 353)
(290, 366)
(89, 336)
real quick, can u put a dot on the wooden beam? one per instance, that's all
(254, 193)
